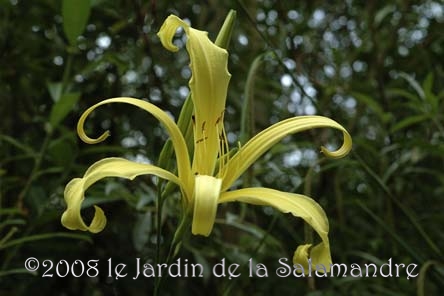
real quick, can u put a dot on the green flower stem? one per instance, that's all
(174, 246)
(35, 169)
(49, 133)
(159, 205)
(19, 205)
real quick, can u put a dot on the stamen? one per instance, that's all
(201, 140)
(220, 117)
(223, 146)
(204, 136)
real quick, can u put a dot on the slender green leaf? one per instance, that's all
(414, 84)
(392, 232)
(33, 238)
(409, 121)
(398, 92)
(247, 123)
(422, 277)
(62, 107)
(75, 15)
(55, 90)
(17, 271)
(430, 97)
(383, 13)
(27, 149)
(371, 103)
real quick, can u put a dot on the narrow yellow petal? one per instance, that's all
(208, 84)
(107, 167)
(263, 141)
(206, 195)
(299, 206)
(180, 148)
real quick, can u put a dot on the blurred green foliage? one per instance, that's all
(375, 67)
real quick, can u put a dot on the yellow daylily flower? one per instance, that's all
(205, 181)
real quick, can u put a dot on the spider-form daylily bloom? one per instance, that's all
(205, 181)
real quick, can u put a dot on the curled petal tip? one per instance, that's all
(72, 218)
(168, 30)
(72, 221)
(317, 256)
(81, 130)
(99, 221)
(89, 140)
(342, 151)
(301, 255)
